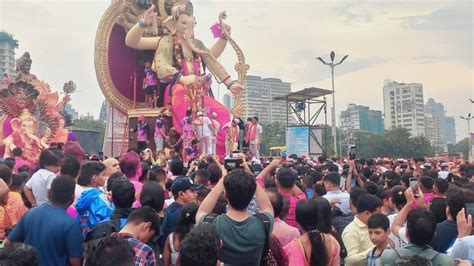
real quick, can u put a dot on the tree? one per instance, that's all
(394, 143)
(89, 123)
(274, 134)
(462, 146)
(7, 37)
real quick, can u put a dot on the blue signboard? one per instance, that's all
(297, 140)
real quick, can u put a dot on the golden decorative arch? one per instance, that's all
(112, 15)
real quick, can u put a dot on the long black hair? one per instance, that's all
(314, 216)
(152, 195)
(186, 220)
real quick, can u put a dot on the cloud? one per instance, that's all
(452, 24)
(307, 69)
(430, 59)
(455, 17)
(354, 12)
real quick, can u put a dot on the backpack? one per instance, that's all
(104, 229)
(107, 228)
(407, 257)
(266, 225)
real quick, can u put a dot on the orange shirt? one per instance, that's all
(11, 213)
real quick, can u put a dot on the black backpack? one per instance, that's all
(266, 225)
(104, 229)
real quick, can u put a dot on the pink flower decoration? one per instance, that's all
(217, 30)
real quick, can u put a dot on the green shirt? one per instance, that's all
(389, 256)
(242, 241)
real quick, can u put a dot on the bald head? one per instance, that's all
(112, 166)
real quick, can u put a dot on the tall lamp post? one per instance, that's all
(333, 110)
(468, 119)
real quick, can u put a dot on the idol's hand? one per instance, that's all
(150, 16)
(187, 80)
(236, 88)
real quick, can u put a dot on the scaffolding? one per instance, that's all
(301, 104)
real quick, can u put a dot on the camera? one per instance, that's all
(232, 164)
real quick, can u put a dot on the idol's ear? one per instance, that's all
(170, 24)
(16, 124)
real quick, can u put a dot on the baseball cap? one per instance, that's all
(183, 184)
(444, 164)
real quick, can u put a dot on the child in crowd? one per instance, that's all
(379, 232)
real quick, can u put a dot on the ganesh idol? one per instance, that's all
(24, 136)
(179, 57)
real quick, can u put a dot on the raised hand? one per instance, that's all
(464, 225)
(409, 195)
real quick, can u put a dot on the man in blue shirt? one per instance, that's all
(184, 191)
(447, 231)
(50, 230)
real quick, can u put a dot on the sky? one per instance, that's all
(428, 42)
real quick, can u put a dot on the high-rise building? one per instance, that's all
(450, 130)
(103, 112)
(257, 99)
(444, 132)
(360, 118)
(434, 130)
(71, 111)
(7, 53)
(404, 107)
(227, 100)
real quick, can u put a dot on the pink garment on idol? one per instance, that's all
(19, 162)
(179, 105)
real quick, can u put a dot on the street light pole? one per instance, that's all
(333, 110)
(468, 119)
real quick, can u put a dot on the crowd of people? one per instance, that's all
(132, 210)
(199, 135)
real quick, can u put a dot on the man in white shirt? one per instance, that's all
(463, 246)
(334, 195)
(215, 127)
(255, 137)
(444, 171)
(203, 131)
(259, 134)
